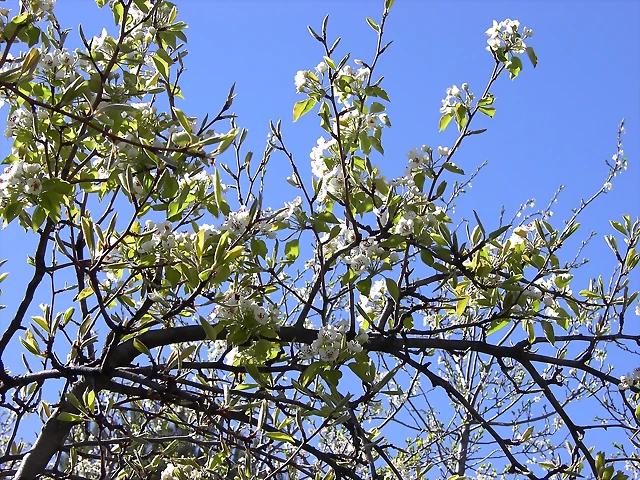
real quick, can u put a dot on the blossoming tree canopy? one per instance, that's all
(176, 326)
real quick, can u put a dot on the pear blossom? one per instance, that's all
(300, 80)
(33, 186)
(405, 225)
(321, 68)
(237, 222)
(354, 347)
(328, 354)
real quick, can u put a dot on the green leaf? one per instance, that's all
(380, 385)
(182, 118)
(302, 107)
(292, 249)
(452, 168)
(30, 62)
(392, 288)
(141, 347)
(365, 371)
(162, 66)
(488, 100)
(441, 188)
(496, 325)
(547, 328)
(280, 437)
(310, 374)
(461, 306)
(259, 248)
(618, 226)
(364, 286)
(514, 67)
(209, 330)
(38, 217)
(527, 433)
(73, 90)
(332, 377)
(426, 257)
(70, 417)
(87, 292)
(376, 91)
(444, 121)
(373, 24)
(532, 56)
(489, 111)
(461, 116)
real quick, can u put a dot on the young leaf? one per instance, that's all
(302, 107)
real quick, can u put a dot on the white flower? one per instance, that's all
(33, 186)
(638, 309)
(494, 30)
(137, 185)
(359, 263)
(527, 32)
(97, 42)
(443, 151)
(300, 80)
(608, 186)
(321, 68)
(261, 315)
(404, 226)
(149, 245)
(512, 25)
(328, 354)
(237, 222)
(532, 292)
(362, 337)
(493, 43)
(342, 326)
(307, 352)
(231, 357)
(624, 383)
(354, 347)
(169, 473)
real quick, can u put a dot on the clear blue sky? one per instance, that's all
(554, 125)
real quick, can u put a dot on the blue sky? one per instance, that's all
(554, 125)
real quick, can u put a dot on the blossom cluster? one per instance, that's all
(332, 180)
(454, 96)
(20, 118)
(58, 62)
(405, 225)
(237, 222)
(630, 379)
(361, 256)
(331, 342)
(372, 301)
(237, 306)
(162, 237)
(519, 235)
(418, 158)
(20, 177)
(183, 472)
(41, 6)
(505, 34)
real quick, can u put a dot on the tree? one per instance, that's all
(188, 336)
